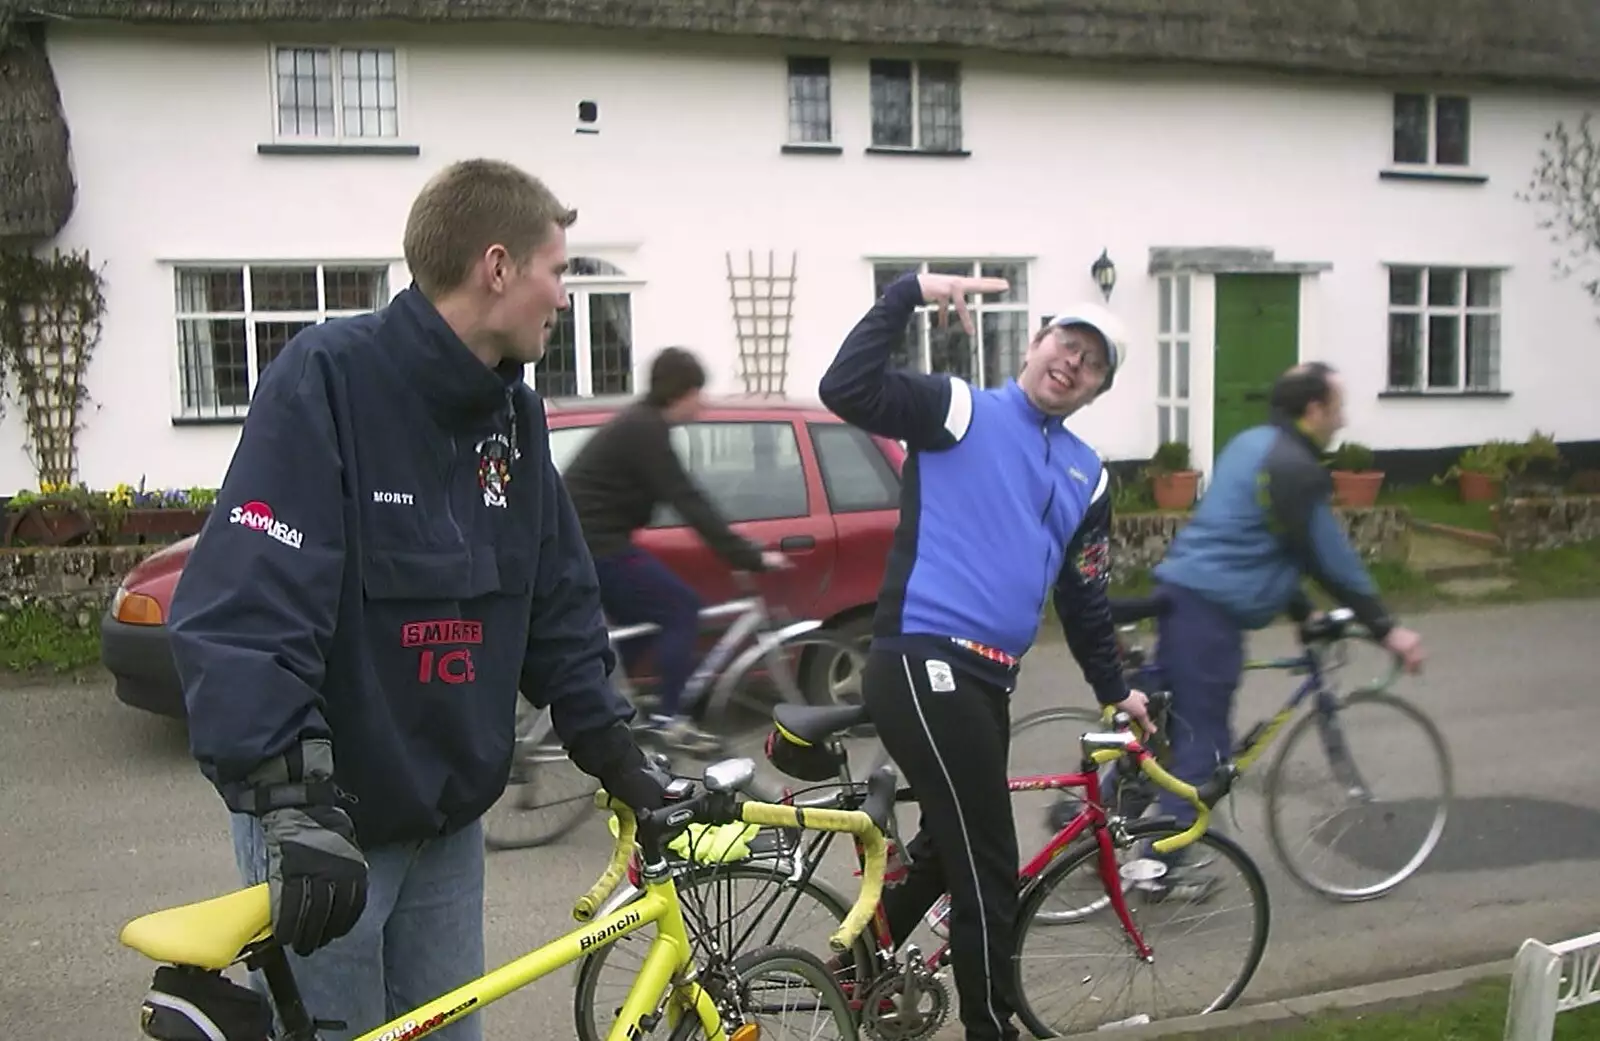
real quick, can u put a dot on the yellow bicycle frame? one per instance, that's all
(669, 970)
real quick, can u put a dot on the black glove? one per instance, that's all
(611, 756)
(316, 875)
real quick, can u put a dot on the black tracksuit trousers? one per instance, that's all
(949, 734)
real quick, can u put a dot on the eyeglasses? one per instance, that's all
(1089, 356)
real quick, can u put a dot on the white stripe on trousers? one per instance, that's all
(966, 838)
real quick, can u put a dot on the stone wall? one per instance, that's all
(74, 583)
(1139, 540)
(1528, 524)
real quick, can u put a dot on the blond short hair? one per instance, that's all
(468, 207)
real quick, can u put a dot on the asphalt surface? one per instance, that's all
(104, 817)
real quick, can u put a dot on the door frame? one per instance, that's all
(1201, 267)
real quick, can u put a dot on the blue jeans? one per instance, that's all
(637, 588)
(420, 936)
(1201, 652)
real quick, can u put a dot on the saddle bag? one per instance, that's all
(189, 1004)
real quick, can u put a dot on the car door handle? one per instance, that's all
(793, 542)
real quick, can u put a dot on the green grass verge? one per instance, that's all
(1477, 1013)
(1440, 504)
(32, 640)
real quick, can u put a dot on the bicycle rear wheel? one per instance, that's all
(546, 796)
(1065, 981)
(1382, 767)
(777, 983)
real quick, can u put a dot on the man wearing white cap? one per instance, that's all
(1000, 504)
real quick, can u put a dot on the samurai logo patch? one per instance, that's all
(1094, 562)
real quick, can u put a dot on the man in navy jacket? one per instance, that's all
(391, 559)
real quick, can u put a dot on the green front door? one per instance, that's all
(1258, 336)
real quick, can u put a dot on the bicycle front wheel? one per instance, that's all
(786, 991)
(1358, 796)
(1206, 929)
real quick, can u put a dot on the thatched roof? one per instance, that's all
(36, 185)
(1551, 42)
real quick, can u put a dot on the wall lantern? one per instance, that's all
(1105, 274)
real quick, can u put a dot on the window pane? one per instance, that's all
(950, 349)
(355, 288)
(1164, 370)
(209, 290)
(939, 106)
(1164, 310)
(283, 289)
(1410, 128)
(1405, 286)
(1181, 426)
(750, 471)
(964, 268)
(272, 338)
(1444, 287)
(854, 472)
(1183, 370)
(566, 442)
(556, 375)
(1444, 351)
(891, 103)
(1183, 303)
(1405, 343)
(810, 101)
(1483, 352)
(214, 376)
(1452, 125)
(1483, 289)
(611, 343)
(1163, 424)
(305, 91)
(1005, 340)
(1014, 273)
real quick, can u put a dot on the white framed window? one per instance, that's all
(234, 319)
(1444, 329)
(328, 93)
(988, 359)
(1432, 130)
(1172, 359)
(810, 101)
(916, 105)
(590, 351)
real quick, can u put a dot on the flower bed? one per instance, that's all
(125, 515)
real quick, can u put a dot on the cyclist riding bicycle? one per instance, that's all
(1000, 501)
(1264, 523)
(616, 481)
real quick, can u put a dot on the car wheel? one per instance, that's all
(833, 679)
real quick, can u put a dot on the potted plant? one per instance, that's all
(1355, 482)
(1481, 470)
(1172, 482)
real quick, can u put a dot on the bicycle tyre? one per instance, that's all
(1035, 893)
(1304, 727)
(528, 762)
(751, 964)
(593, 964)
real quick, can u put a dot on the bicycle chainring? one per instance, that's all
(884, 1019)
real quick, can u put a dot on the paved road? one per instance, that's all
(102, 816)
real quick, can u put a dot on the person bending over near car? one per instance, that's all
(1264, 524)
(617, 479)
(1000, 503)
(393, 557)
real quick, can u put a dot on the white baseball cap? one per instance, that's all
(1108, 325)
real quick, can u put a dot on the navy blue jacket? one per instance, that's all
(391, 556)
(1000, 506)
(1264, 522)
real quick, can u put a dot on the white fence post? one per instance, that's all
(1549, 979)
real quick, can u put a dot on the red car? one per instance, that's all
(790, 476)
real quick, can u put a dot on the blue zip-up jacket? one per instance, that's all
(1000, 505)
(1264, 522)
(391, 556)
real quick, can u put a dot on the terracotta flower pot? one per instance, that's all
(1476, 487)
(1175, 490)
(1357, 488)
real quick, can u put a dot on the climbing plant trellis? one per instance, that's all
(763, 309)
